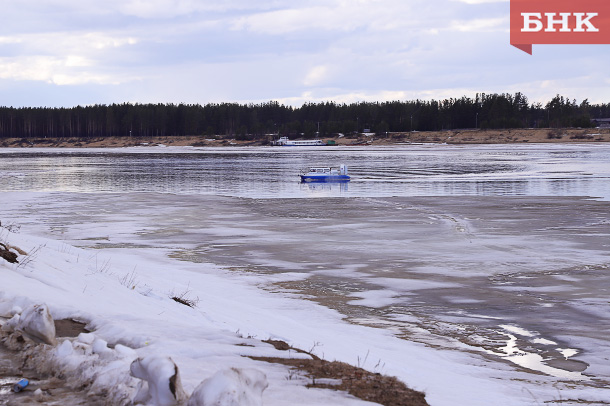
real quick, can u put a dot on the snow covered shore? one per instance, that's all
(124, 297)
(126, 302)
(131, 314)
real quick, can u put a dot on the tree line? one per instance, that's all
(253, 121)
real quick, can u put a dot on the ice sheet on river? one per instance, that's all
(507, 293)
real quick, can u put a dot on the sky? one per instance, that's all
(80, 52)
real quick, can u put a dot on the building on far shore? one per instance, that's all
(601, 122)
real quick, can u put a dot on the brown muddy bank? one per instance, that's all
(469, 136)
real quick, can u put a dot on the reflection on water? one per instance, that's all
(414, 170)
(325, 188)
(532, 360)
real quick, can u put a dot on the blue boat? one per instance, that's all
(326, 175)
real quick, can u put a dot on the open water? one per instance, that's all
(411, 170)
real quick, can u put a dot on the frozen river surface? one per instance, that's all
(501, 252)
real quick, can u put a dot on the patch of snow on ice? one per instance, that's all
(375, 298)
(543, 341)
(567, 352)
(518, 330)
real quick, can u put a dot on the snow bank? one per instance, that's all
(231, 387)
(82, 366)
(137, 328)
(37, 324)
(124, 297)
(161, 384)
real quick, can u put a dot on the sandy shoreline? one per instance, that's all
(510, 136)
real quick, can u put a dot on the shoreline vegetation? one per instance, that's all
(255, 122)
(467, 136)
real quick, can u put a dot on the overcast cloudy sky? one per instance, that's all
(70, 52)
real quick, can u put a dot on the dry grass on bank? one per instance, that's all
(542, 135)
(358, 382)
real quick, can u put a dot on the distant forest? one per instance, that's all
(256, 121)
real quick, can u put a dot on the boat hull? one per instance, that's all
(325, 178)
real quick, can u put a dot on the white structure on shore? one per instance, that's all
(285, 142)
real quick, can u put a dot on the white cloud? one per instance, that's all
(70, 70)
(333, 16)
(351, 97)
(167, 9)
(77, 61)
(10, 40)
(101, 41)
(481, 25)
(81, 78)
(63, 58)
(316, 75)
(295, 19)
(160, 8)
(72, 42)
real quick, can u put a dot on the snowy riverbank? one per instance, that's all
(126, 302)
(124, 297)
(121, 284)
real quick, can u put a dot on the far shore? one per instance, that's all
(468, 136)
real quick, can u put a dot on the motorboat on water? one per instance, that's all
(325, 174)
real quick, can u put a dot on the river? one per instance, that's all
(497, 250)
